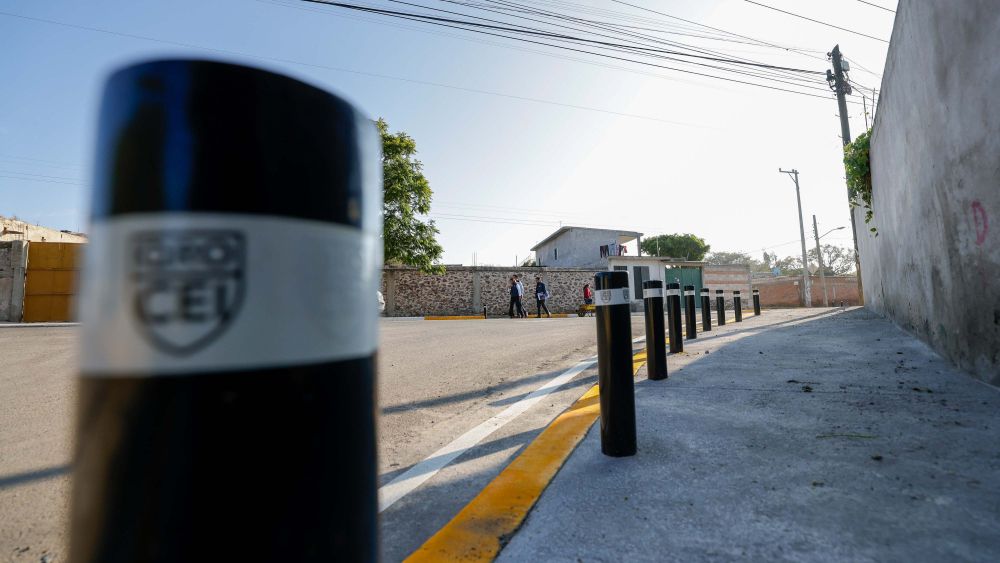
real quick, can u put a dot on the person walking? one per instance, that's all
(522, 313)
(512, 286)
(541, 294)
(588, 294)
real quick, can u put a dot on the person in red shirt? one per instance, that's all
(588, 294)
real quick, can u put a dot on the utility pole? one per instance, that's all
(819, 258)
(806, 283)
(842, 88)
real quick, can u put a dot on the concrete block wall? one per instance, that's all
(935, 157)
(727, 278)
(783, 292)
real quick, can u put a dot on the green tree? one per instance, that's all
(684, 246)
(742, 258)
(408, 239)
(837, 260)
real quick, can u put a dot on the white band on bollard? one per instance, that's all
(653, 292)
(605, 297)
(689, 292)
(225, 275)
(673, 292)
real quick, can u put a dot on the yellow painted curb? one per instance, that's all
(478, 531)
(454, 318)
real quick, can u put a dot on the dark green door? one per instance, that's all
(685, 276)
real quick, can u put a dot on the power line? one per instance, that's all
(359, 72)
(435, 21)
(790, 49)
(40, 180)
(817, 21)
(877, 6)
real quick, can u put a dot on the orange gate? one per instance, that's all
(50, 281)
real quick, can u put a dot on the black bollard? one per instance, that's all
(689, 313)
(656, 346)
(706, 310)
(737, 306)
(756, 302)
(226, 404)
(720, 306)
(674, 318)
(614, 363)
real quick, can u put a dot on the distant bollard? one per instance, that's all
(614, 363)
(226, 404)
(656, 346)
(706, 310)
(737, 306)
(756, 302)
(689, 313)
(674, 317)
(720, 306)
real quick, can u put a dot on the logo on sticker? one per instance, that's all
(606, 295)
(187, 285)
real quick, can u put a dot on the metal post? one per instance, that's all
(226, 404)
(819, 257)
(674, 320)
(737, 306)
(656, 352)
(614, 363)
(802, 234)
(706, 310)
(720, 306)
(756, 302)
(689, 313)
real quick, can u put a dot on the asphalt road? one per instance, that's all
(437, 380)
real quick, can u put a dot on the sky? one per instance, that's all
(515, 139)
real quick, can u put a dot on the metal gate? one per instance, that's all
(50, 281)
(685, 276)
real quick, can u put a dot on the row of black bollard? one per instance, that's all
(614, 345)
(756, 302)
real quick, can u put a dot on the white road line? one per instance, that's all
(415, 476)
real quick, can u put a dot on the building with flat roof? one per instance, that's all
(583, 247)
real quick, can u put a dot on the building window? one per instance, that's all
(555, 253)
(639, 275)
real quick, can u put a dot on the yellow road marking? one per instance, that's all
(480, 317)
(477, 532)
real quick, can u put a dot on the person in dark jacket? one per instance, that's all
(541, 294)
(513, 299)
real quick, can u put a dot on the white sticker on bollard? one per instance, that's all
(605, 297)
(654, 292)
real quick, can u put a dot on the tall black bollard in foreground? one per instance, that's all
(674, 318)
(614, 363)
(689, 313)
(756, 302)
(226, 404)
(656, 346)
(737, 306)
(706, 310)
(720, 306)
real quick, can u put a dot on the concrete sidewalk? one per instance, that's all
(818, 435)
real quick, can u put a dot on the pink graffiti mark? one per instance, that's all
(982, 223)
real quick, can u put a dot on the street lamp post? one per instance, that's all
(819, 257)
(807, 285)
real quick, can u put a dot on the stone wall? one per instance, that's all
(935, 159)
(465, 290)
(786, 291)
(13, 258)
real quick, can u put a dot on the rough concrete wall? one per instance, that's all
(935, 154)
(409, 293)
(578, 248)
(6, 278)
(727, 278)
(19, 230)
(783, 291)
